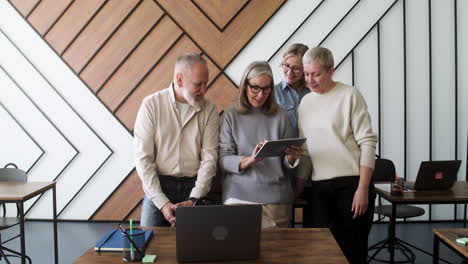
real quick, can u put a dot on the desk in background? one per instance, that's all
(20, 192)
(278, 245)
(448, 237)
(457, 195)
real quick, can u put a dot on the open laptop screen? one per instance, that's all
(436, 175)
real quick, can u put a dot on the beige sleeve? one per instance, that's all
(145, 156)
(208, 155)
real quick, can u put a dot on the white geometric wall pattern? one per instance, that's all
(408, 58)
(86, 150)
(405, 57)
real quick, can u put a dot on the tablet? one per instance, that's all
(275, 148)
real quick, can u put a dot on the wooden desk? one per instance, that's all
(448, 237)
(20, 192)
(458, 194)
(282, 245)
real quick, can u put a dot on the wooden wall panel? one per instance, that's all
(46, 13)
(125, 50)
(70, 24)
(25, 6)
(220, 12)
(139, 63)
(96, 33)
(125, 39)
(159, 78)
(135, 214)
(244, 27)
(123, 200)
(198, 27)
(222, 92)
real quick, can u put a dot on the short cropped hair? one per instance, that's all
(254, 69)
(319, 55)
(187, 60)
(296, 49)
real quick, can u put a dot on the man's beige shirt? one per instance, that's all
(164, 145)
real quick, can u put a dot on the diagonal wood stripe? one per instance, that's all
(114, 209)
(135, 214)
(200, 29)
(139, 63)
(46, 13)
(220, 12)
(24, 6)
(120, 45)
(222, 92)
(96, 33)
(71, 23)
(222, 47)
(237, 34)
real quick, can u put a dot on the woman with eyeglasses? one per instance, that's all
(289, 92)
(254, 118)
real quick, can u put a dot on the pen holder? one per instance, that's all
(137, 252)
(396, 187)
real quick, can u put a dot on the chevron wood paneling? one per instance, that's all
(122, 201)
(25, 6)
(125, 39)
(125, 50)
(220, 12)
(96, 33)
(139, 63)
(70, 24)
(46, 13)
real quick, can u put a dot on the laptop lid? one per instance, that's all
(218, 232)
(437, 175)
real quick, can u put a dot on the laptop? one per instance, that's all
(218, 232)
(435, 175)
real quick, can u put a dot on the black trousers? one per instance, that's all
(177, 189)
(331, 202)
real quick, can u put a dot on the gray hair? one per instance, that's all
(296, 49)
(319, 55)
(253, 70)
(187, 60)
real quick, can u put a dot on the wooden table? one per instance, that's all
(448, 237)
(281, 245)
(20, 192)
(457, 195)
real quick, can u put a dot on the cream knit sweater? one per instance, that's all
(339, 134)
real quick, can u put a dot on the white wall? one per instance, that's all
(431, 129)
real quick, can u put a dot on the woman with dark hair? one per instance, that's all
(254, 118)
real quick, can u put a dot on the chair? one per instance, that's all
(10, 174)
(384, 172)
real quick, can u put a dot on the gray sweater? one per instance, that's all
(265, 181)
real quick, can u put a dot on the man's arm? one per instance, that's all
(145, 156)
(208, 155)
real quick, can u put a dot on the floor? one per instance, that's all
(76, 237)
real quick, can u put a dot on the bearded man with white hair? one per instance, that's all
(176, 143)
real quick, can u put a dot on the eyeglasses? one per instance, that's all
(256, 89)
(295, 69)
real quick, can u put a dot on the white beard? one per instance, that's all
(191, 99)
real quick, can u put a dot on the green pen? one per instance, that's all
(131, 244)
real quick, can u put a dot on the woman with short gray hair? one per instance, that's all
(340, 155)
(254, 118)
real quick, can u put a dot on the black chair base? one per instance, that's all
(400, 246)
(15, 254)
